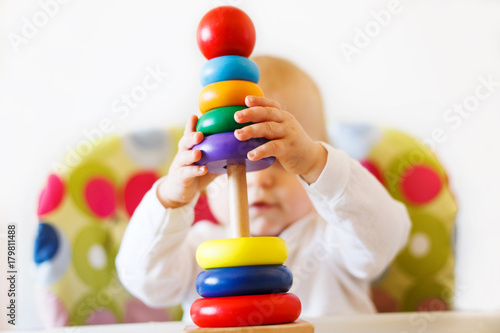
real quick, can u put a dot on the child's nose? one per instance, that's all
(261, 178)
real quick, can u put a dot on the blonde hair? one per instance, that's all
(297, 93)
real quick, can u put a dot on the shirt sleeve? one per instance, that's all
(156, 261)
(367, 226)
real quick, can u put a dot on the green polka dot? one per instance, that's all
(79, 178)
(428, 246)
(94, 256)
(424, 289)
(418, 156)
(88, 304)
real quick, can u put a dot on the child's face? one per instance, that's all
(276, 199)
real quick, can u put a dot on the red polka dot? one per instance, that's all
(373, 169)
(138, 312)
(136, 188)
(100, 196)
(202, 210)
(420, 184)
(383, 301)
(51, 195)
(51, 308)
(432, 304)
(101, 317)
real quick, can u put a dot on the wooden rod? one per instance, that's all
(238, 200)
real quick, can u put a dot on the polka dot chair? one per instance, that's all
(421, 278)
(83, 212)
(85, 207)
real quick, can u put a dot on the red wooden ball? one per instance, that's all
(226, 30)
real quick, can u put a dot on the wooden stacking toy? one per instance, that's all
(244, 282)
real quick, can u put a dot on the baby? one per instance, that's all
(341, 227)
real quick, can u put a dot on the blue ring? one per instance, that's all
(227, 68)
(244, 280)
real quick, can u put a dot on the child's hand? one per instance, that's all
(291, 145)
(184, 179)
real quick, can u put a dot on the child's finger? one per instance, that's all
(268, 129)
(252, 101)
(188, 157)
(271, 148)
(189, 140)
(191, 124)
(258, 114)
(193, 171)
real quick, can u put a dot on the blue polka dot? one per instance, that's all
(149, 149)
(150, 139)
(357, 140)
(46, 243)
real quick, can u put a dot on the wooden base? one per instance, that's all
(299, 326)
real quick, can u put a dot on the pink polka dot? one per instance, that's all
(51, 195)
(420, 184)
(101, 317)
(383, 301)
(136, 188)
(138, 312)
(202, 210)
(432, 304)
(100, 197)
(51, 309)
(373, 170)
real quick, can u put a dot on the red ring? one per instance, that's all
(251, 310)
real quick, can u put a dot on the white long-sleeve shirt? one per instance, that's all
(335, 251)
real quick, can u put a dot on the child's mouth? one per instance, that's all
(260, 205)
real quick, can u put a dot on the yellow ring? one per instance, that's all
(227, 93)
(245, 251)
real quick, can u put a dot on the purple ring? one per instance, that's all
(219, 150)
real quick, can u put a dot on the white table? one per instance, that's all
(409, 322)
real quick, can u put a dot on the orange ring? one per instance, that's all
(227, 93)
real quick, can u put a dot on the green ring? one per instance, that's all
(220, 120)
(440, 248)
(86, 238)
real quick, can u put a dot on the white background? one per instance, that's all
(65, 78)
